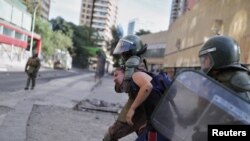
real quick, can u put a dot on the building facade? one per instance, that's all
(100, 15)
(43, 7)
(15, 31)
(207, 18)
(131, 27)
(180, 7)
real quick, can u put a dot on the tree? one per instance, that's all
(31, 4)
(83, 37)
(59, 24)
(51, 40)
(142, 32)
(42, 28)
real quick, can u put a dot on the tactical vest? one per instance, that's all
(237, 80)
(33, 64)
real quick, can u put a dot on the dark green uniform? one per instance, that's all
(237, 80)
(32, 67)
(130, 48)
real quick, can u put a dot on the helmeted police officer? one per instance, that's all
(137, 84)
(130, 48)
(220, 59)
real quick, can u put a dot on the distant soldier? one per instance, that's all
(31, 68)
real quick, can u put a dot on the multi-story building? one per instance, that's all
(179, 7)
(15, 33)
(185, 37)
(131, 27)
(100, 15)
(45, 8)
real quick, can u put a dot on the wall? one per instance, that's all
(15, 15)
(208, 17)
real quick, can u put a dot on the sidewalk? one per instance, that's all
(18, 66)
(46, 114)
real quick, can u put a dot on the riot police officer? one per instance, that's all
(130, 48)
(138, 85)
(220, 59)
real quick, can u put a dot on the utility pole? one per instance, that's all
(32, 29)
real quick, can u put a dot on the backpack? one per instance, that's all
(160, 82)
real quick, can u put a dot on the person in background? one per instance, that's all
(100, 70)
(31, 68)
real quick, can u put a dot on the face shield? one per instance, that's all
(123, 46)
(206, 60)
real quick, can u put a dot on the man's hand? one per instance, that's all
(129, 116)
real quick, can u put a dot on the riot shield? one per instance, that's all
(194, 101)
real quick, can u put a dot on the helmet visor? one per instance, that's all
(207, 62)
(123, 46)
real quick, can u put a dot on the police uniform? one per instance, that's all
(31, 68)
(131, 48)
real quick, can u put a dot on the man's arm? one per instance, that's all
(26, 66)
(143, 81)
(39, 64)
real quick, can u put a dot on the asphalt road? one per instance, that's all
(14, 81)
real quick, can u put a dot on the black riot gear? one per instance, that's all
(130, 45)
(222, 52)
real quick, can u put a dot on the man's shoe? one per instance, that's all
(32, 88)
(26, 88)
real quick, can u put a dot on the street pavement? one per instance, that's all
(47, 113)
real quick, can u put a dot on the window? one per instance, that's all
(1, 29)
(7, 32)
(18, 35)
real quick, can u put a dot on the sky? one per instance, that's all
(152, 15)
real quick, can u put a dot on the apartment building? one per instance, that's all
(179, 7)
(43, 9)
(100, 15)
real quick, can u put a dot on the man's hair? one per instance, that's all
(119, 69)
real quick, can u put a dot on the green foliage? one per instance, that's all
(51, 40)
(59, 24)
(142, 32)
(83, 37)
(31, 4)
(42, 28)
(64, 35)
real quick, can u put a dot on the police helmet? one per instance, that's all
(219, 52)
(128, 46)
